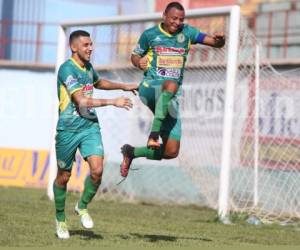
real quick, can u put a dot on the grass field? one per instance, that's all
(27, 220)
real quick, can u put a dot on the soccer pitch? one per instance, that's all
(27, 220)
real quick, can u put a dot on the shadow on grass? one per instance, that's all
(156, 238)
(86, 234)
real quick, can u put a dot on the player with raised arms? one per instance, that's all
(161, 53)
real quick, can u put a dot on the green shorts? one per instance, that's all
(88, 141)
(149, 92)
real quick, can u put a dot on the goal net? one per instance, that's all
(239, 147)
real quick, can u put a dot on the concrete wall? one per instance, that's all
(27, 100)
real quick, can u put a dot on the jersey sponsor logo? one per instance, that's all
(88, 90)
(157, 39)
(170, 61)
(169, 50)
(71, 81)
(166, 72)
(180, 38)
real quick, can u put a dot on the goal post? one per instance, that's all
(239, 138)
(233, 45)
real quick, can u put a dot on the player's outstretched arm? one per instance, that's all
(217, 40)
(108, 85)
(82, 101)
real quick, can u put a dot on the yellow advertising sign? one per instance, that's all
(170, 61)
(30, 168)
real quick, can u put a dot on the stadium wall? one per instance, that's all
(27, 113)
(28, 103)
(27, 106)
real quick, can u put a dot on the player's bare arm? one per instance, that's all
(139, 62)
(216, 40)
(108, 85)
(82, 101)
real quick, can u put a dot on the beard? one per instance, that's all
(83, 59)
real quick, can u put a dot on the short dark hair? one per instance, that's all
(78, 33)
(175, 5)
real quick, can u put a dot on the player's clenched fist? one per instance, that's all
(219, 39)
(143, 63)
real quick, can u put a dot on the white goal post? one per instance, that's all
(226, 160)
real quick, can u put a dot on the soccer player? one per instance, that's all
(161, 53)
(78, 126)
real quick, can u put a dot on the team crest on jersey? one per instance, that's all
(180, 38)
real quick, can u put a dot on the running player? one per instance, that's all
(78, 127)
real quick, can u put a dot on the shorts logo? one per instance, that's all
(180, 38)
(61, 164)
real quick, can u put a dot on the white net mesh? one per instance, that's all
(193, 178)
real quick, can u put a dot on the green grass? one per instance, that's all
(27, 220)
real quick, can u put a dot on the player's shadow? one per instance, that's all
(86, 234)
(156, 238)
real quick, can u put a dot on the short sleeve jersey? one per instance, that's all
(71, 78)
(167, 53)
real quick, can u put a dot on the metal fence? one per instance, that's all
(36, 42)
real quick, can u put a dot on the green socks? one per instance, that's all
(161, 110)
(90, 189)
(151, 154)
(60, 198)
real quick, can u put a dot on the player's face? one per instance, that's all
(83, 47)
(173, 20)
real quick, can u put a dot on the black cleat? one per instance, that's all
(127, 151)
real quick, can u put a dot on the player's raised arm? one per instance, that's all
(82, 101)
(217, 40)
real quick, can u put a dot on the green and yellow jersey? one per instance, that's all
(71, 78)
(167, 53)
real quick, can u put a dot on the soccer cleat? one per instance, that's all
(85, 218)
(127, 151)
(62, 231)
